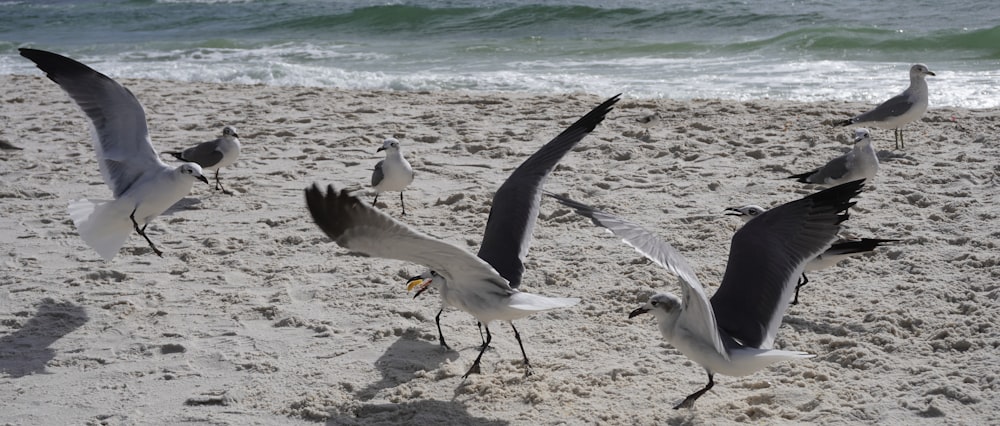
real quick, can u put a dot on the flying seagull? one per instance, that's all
(901, 109)
(860, 162)
(393, 173)
(733, 332)
(840, 250)
(214, 154)
(143, 186)
(485, 286)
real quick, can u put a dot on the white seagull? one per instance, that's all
(733, 332)
(143, 186)
(901, 109)
(484, 285)
(861, 162)
(841, 249)
(214, 154)
(393, 173)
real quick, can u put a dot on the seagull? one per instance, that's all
(860, 162)
(392, 174)
(143, 186)
(214, 154)
(485, 285)
(733, 332)
(841, 249)
(900, 109)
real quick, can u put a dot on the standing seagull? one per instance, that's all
(733, 333)
(901, 109)
(860, 162)
(840, 250)
(214, 155)
(143, 186)
(485, 286)
(392, 174)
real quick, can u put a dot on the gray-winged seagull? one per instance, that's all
(214, 154)
(733, 332)
(393, 173)
(143, 186)
(861, 162)
(485, 286)
(901, 109)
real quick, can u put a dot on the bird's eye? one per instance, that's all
(654, 303)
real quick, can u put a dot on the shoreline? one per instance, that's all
(254, 316)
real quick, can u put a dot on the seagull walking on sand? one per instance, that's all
(393, 173)
(214, 154)
(901, 109)
(143, 186)
(861, 162)
(485, 285)
(841, 249)
(733, 332)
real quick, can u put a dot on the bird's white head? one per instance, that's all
(664, 306)
(390, 145)
(229, 131)
(193, 170)
(920, 71)
(746, 212)
(422, 282)
(862, 135)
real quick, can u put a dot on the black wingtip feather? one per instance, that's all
(839, 197)
(846, 123)
(803, 177)
(329, 210)
(55, 65)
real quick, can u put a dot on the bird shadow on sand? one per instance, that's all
(27, 350)
(403, 359)
(429, 412)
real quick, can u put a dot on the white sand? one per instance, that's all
(254, 316)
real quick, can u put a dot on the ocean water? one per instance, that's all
(809, 51)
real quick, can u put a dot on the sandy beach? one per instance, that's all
(253, 316)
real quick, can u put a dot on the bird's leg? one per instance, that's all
(689, 401)
(802, 281)
(527, 365)
(143, 232)
(402, 203)
(376, 199)
(481, 337)
(899, 138)
(218, 185)
(437, 319)
(475, 365)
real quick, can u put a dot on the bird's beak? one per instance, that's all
(732, 211)
(637, 312)
(204, 179)
(235, 135)
(931, 73)
(380, 149)
(859, 139)
(416, 281)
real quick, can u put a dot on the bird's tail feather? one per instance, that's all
(177, 155)
(101, 225)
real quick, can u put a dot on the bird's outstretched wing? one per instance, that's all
(121, 138)
(515, 205)
(357, 226)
